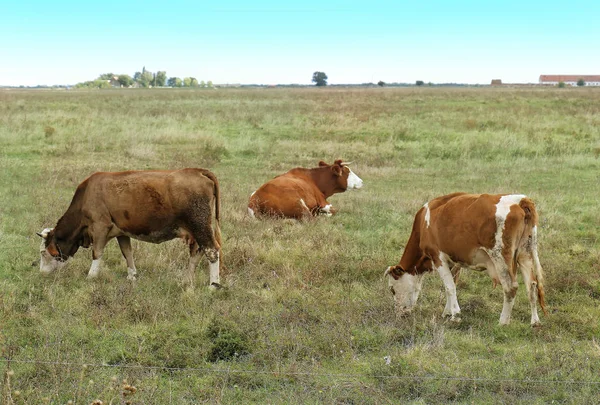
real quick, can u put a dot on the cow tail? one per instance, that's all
(539, 273)
(217, 195)
(531, 222)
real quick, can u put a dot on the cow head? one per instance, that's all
(405, 288)
(344, 177)
(52, 256)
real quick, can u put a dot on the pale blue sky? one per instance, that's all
(270, 42)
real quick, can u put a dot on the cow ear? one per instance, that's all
(395, 271)
(321, 163)
(338, 162)
(424, 263)
(337, 169)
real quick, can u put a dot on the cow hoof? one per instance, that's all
(455, 318)
(132, 278)
(215, 286)
(536, 325)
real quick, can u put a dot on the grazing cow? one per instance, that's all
(302, 193)
(496, 233)
(152, 206)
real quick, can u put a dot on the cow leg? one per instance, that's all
(509, 286)
(327, 210)
(195, 256)
(455, 270)
(452, 309)
(125, 245)
(525, 263)
(212, 255)
(304, 211)
(98, 244)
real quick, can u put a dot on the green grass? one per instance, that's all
(306, 316)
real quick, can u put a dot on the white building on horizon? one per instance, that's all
(570, 80)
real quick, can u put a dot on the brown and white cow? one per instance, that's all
(496, 233)
(302, 193)
(152, 206)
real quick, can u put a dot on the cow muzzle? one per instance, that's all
(49, 263)
(354, 182)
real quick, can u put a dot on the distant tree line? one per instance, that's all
(145, 79)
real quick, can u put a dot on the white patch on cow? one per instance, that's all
(326, 210)
(507, 201)
(427, 214)
(250, 210)
(354, 181)
(502, 210)
(451, 309)
(215, 280)
(94, 269)
(303, 204)
(406, 291)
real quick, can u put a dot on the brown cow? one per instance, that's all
(302, 193)
(152, 206)
(496, 233)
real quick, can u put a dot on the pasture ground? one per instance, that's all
(306, 316)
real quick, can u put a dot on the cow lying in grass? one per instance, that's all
(152, 206)
(302, 193)
(496, 233)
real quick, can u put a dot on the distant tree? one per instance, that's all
(430, 84)
(420, 83)
(319, 78)
(209, 84)
(144, 78)
(194, 82)
(562, 85)
(125, 80)
(174, 82)
(94, 84)
(147, 79)
(381, 83)
(106, 76)
(187, 81)
(202, 84)
(161, 78)
(581, 82)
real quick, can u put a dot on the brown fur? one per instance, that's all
(153, 206)
(462, 223)
(280, 197)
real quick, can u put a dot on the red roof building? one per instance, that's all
(590, 80)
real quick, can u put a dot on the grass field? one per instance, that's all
(306, 316)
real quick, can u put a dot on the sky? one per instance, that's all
(283, 42)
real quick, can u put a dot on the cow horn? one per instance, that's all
(346, 163)
(44, 233)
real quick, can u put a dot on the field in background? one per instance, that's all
(306, 316)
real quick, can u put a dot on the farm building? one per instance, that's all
(570, 80)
